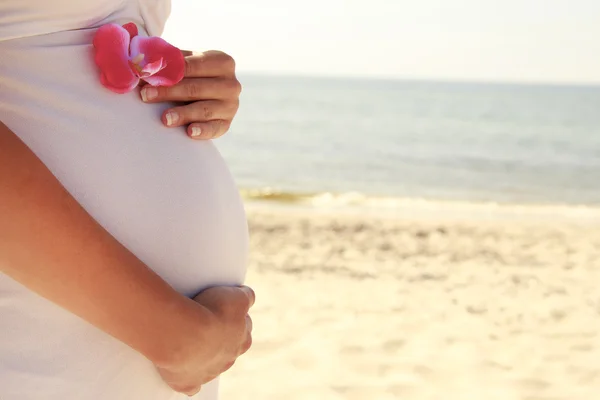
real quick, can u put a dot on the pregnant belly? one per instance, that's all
(168, 199)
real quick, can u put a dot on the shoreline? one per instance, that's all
(274, 195)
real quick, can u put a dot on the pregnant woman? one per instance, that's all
(111, 223)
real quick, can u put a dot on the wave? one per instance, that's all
(420, 206)
(320, 198)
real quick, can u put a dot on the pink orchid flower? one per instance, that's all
(124, 58)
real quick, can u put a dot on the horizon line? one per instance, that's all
(507, 82)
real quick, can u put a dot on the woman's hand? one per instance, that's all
(210, 90)
(226, 334)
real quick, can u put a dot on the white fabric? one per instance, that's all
(170, 200)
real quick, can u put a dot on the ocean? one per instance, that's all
(351, 140)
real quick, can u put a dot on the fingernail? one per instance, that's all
(196, 131)
(149, 93)
(172, 118)
(246, 290)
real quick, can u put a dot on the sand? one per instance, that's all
(436, 302)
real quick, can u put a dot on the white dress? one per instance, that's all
(167, 198)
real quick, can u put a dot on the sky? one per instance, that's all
(548, 41)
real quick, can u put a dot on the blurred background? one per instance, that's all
(422, 186)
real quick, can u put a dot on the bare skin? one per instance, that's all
(50, 244)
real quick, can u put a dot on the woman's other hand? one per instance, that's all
(225, 336)
(210, 90)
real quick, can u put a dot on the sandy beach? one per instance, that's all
(435, 302)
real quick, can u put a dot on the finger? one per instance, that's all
(246, 345)
(209, 64)
(200, 111)
(171, 380)
(192, 391)
(227, 367)
(208, 130)
(229, 301)
(250, 293)
(243, 300)
(193, 89)
(249, 324)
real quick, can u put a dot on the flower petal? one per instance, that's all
(153, 67)
(155, 48)
(111, 44)
(117, 89)
(131, 28)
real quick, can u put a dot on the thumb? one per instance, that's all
(227, 299)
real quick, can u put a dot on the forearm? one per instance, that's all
(52, 246)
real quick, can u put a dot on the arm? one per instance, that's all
(53, 247)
